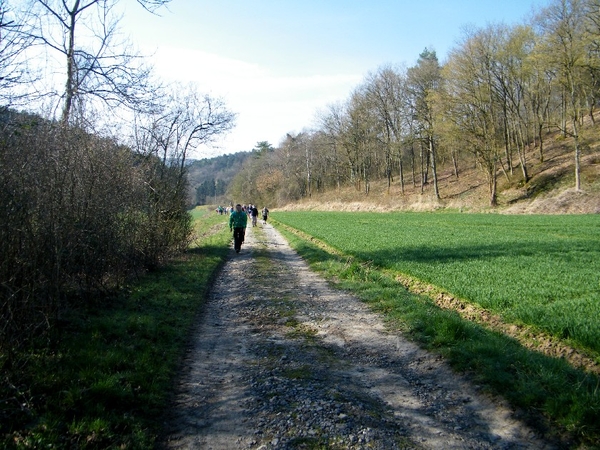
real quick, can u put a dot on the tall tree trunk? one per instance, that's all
(401, 176)
(522, 152)
(388, 167)
(455, 163)
(433, 168)
(574, 121)
(577, 155)
(507, 139)
(493, 185)
(541, 140)
(422, 176)
(412, 164)
(70, 86)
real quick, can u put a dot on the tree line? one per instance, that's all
(93, 175)
(501, 89)
(209, 178)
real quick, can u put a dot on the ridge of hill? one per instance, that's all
(550, 189)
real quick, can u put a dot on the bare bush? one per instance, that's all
(78, 213)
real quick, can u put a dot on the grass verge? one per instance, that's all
(555, 397)
(105, 379)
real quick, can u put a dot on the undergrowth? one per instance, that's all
(104, 380)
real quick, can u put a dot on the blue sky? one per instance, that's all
(277, 63)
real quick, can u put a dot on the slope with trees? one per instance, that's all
(501, 95)
(209, 178)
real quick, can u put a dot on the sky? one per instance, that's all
(278, 63)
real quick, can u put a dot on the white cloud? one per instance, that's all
(268, 105)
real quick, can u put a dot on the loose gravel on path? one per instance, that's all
(281, 360)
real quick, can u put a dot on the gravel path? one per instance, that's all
(280, 360)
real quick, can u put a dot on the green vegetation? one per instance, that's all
(104, 379)
(539, 270)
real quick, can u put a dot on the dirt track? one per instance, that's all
(280, 360)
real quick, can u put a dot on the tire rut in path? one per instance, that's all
(280, 360)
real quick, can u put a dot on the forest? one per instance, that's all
(500, 95)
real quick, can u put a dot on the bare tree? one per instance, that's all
(332, 123)
(186, 121)
(99, 63)
(299, 162)
(564, 40)
(592, 14)
(386, 92)
(539, 92)
(14, 40)
(423, 81)
(472, 102)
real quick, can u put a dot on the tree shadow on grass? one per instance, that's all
(429, 254)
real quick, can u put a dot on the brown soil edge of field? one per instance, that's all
(527, 336)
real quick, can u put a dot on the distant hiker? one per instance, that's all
(254, 214)
(265, 214)
(237, 222)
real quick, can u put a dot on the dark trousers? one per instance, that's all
(239, 234)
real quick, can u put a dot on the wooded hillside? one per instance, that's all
(209, 178)
(514, 103)
(549, 190)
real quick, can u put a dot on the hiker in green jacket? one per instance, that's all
(237, 222)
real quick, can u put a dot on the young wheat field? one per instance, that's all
(538, 270)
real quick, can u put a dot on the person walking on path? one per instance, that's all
(237, 223)
(254, 214)
(265, 214)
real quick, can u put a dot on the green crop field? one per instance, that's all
(541, 270)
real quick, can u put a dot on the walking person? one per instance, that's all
(254, 214)
(237, 223)
(265, 214)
